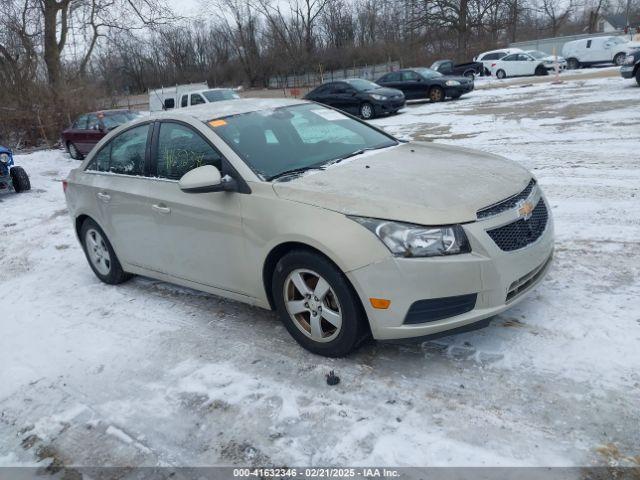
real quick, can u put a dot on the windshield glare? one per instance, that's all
(428, 73)
(218, 95)
(274, 141)
(113, 120)
(362, 85)
(537, 54)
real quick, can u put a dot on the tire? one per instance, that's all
(367, 111)
(20, 179)
(638, 76)
(109, 270)
(302, 267)
(73, 151)
(469, 74)
(573, 64)
(501, 74)
(436, 94)
(618, 60)
(541, 71)
(456, 96)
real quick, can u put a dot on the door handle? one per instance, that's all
(161, 209)
(105, 197)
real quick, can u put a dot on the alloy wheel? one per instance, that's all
(98, 251)
(436, 95)
(313, 305)
(73, 151)
(366, 111)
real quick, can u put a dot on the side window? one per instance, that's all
(93, 123)
(588, 43)
(100, 162)
(128, 151)
(81, 122)
(169, 103)
(410, 76)
(510, 58)
(184, 101)
(340, 88)
(196, 99)
(181, 149)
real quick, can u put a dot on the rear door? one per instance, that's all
(198, 236)
(77, 130)
(393, 80)
(414, 84)
(120, 189)
(92, 135)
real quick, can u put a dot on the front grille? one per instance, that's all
(506, 204)
(434, 309)
(521, 233)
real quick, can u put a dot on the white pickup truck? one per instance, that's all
(182, 96)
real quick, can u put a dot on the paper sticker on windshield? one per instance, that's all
(328, 114)
(217, 123)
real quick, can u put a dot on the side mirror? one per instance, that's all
(206, 179)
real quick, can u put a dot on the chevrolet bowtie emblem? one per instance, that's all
(525, 210)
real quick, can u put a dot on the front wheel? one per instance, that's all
(20, 179)
(102, 259)
(619, 59)
(541, 71)
(501, 74)
(366, 111)
(436, 94)
(317, 304)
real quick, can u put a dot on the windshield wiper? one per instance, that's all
(294, 171)
(355, 153)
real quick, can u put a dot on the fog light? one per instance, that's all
(380, 303)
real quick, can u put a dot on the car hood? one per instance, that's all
(429, 184)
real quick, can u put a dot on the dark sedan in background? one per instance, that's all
(417, 83)
(88, 129)
(358, 97)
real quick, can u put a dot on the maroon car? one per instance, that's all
(88, 129)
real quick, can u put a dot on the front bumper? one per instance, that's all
(499, 278)
(382, 107)
(459, 90)
(627, 71)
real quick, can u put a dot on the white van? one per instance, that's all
(182, 96)
(594, 50)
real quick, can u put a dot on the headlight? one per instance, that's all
(629, 60)
(4, 158)
(409, 240)
(375, 96)
(452, 83)
(549, 62)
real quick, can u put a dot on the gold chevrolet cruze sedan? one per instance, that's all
(289, 205)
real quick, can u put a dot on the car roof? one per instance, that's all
(208, 111)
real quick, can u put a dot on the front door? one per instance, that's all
(198, 235)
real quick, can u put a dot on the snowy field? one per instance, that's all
(147, 373)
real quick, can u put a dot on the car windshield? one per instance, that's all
(362, 85)
(428, 73)
(538, 54)
(617, 40)
(115, 119)
(296, 138)
(218, 95)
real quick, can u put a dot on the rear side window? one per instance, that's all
(391, 77)
(410, 76)
(81, 122)
(493, 56)
(184, 101)
(588, 43)
(124, 154)
(196, 99)
(181, 149)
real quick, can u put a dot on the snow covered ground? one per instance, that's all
(147, 373)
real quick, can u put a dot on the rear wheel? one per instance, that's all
(619, 58)
(20, 179)
(366, 111)
(102, 259)
(638, 76)
(501, 74)
(573, 64)
(73, 151)
(436, 94)
(317, 304)
(469, 74)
